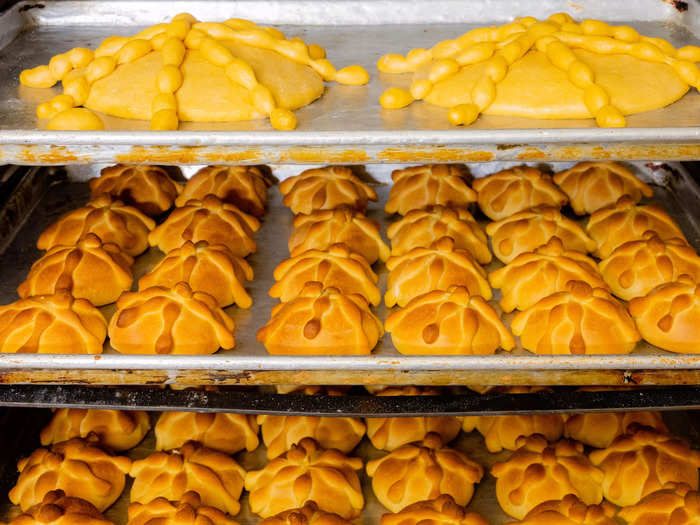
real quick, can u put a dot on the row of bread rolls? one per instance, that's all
(90, 252)
(638, 466)
(327, 286)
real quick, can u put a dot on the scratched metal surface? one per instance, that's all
(347, 123)
(249, 361)
(30, 422)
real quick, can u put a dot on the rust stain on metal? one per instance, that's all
(225, 155)
(39, 155)
(434, 155)
(323, 155)
(532, 154)
(167, 154)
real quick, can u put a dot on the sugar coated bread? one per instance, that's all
(321, 322)
(642, 461)
(637, 267)
(243, 186)
(145, 187)
(309, 514)
(420, 228)
(279, 433)
(89, 270)
(569, 511)
(513, 190)
(420, 186)
(208, 220)
(532, 276)
(326, 189)
(111, 220)
(676, 504)
(307, 473)
(624, 221)
(599, 429)
(78, 467)
(669, 315)
(52, 324)
(439, 511)
(321, 229)
(530, 229)
(539, 472)
(448, 322)
(502, 432)
(422, 471)
(188, 511)
(58, 509)
(228, 433)
(592, 186)
(162, 320)
(390, 433)
(437, 267)
(213, 475)
(579, 320)
(212, 269)
(558, 69)
(336, 267)
(115, 429)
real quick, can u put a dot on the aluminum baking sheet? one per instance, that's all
(347, 125)
(249, 363)
(30, 422)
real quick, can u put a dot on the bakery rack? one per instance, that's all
(46, 175)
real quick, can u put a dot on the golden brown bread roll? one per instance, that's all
(212, 269)
(676, 504)
(623, 222)
(78, 467)
(321, 229)
(321, 322)
(207, 220)
(159, 320)
(569, 511)
(89, 270)
(188, 511)
(337, 267)
(243, 186)
(532, 276)
(147, 188)
(419, 228)
(420, 186)
(637, 267)
(309, 514)
(115, 429)
(527, 230)
(390, 433)
(579, 320)
(228, 433)
(279, 433)
(325, 189)
(52, 324)
(502, 432)
(307, 473)
(438, 267)
(439, 511)
(448, 322)
(214, 476)
(517, 189)
(669, 315)
(642, 461)
(599, 429)
(591, 186)
(58, 509)
(111, 220)
(539, 472)
(421, 471)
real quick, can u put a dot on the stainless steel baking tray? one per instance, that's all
(249, 362)
(347, 125)
(30, 422)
